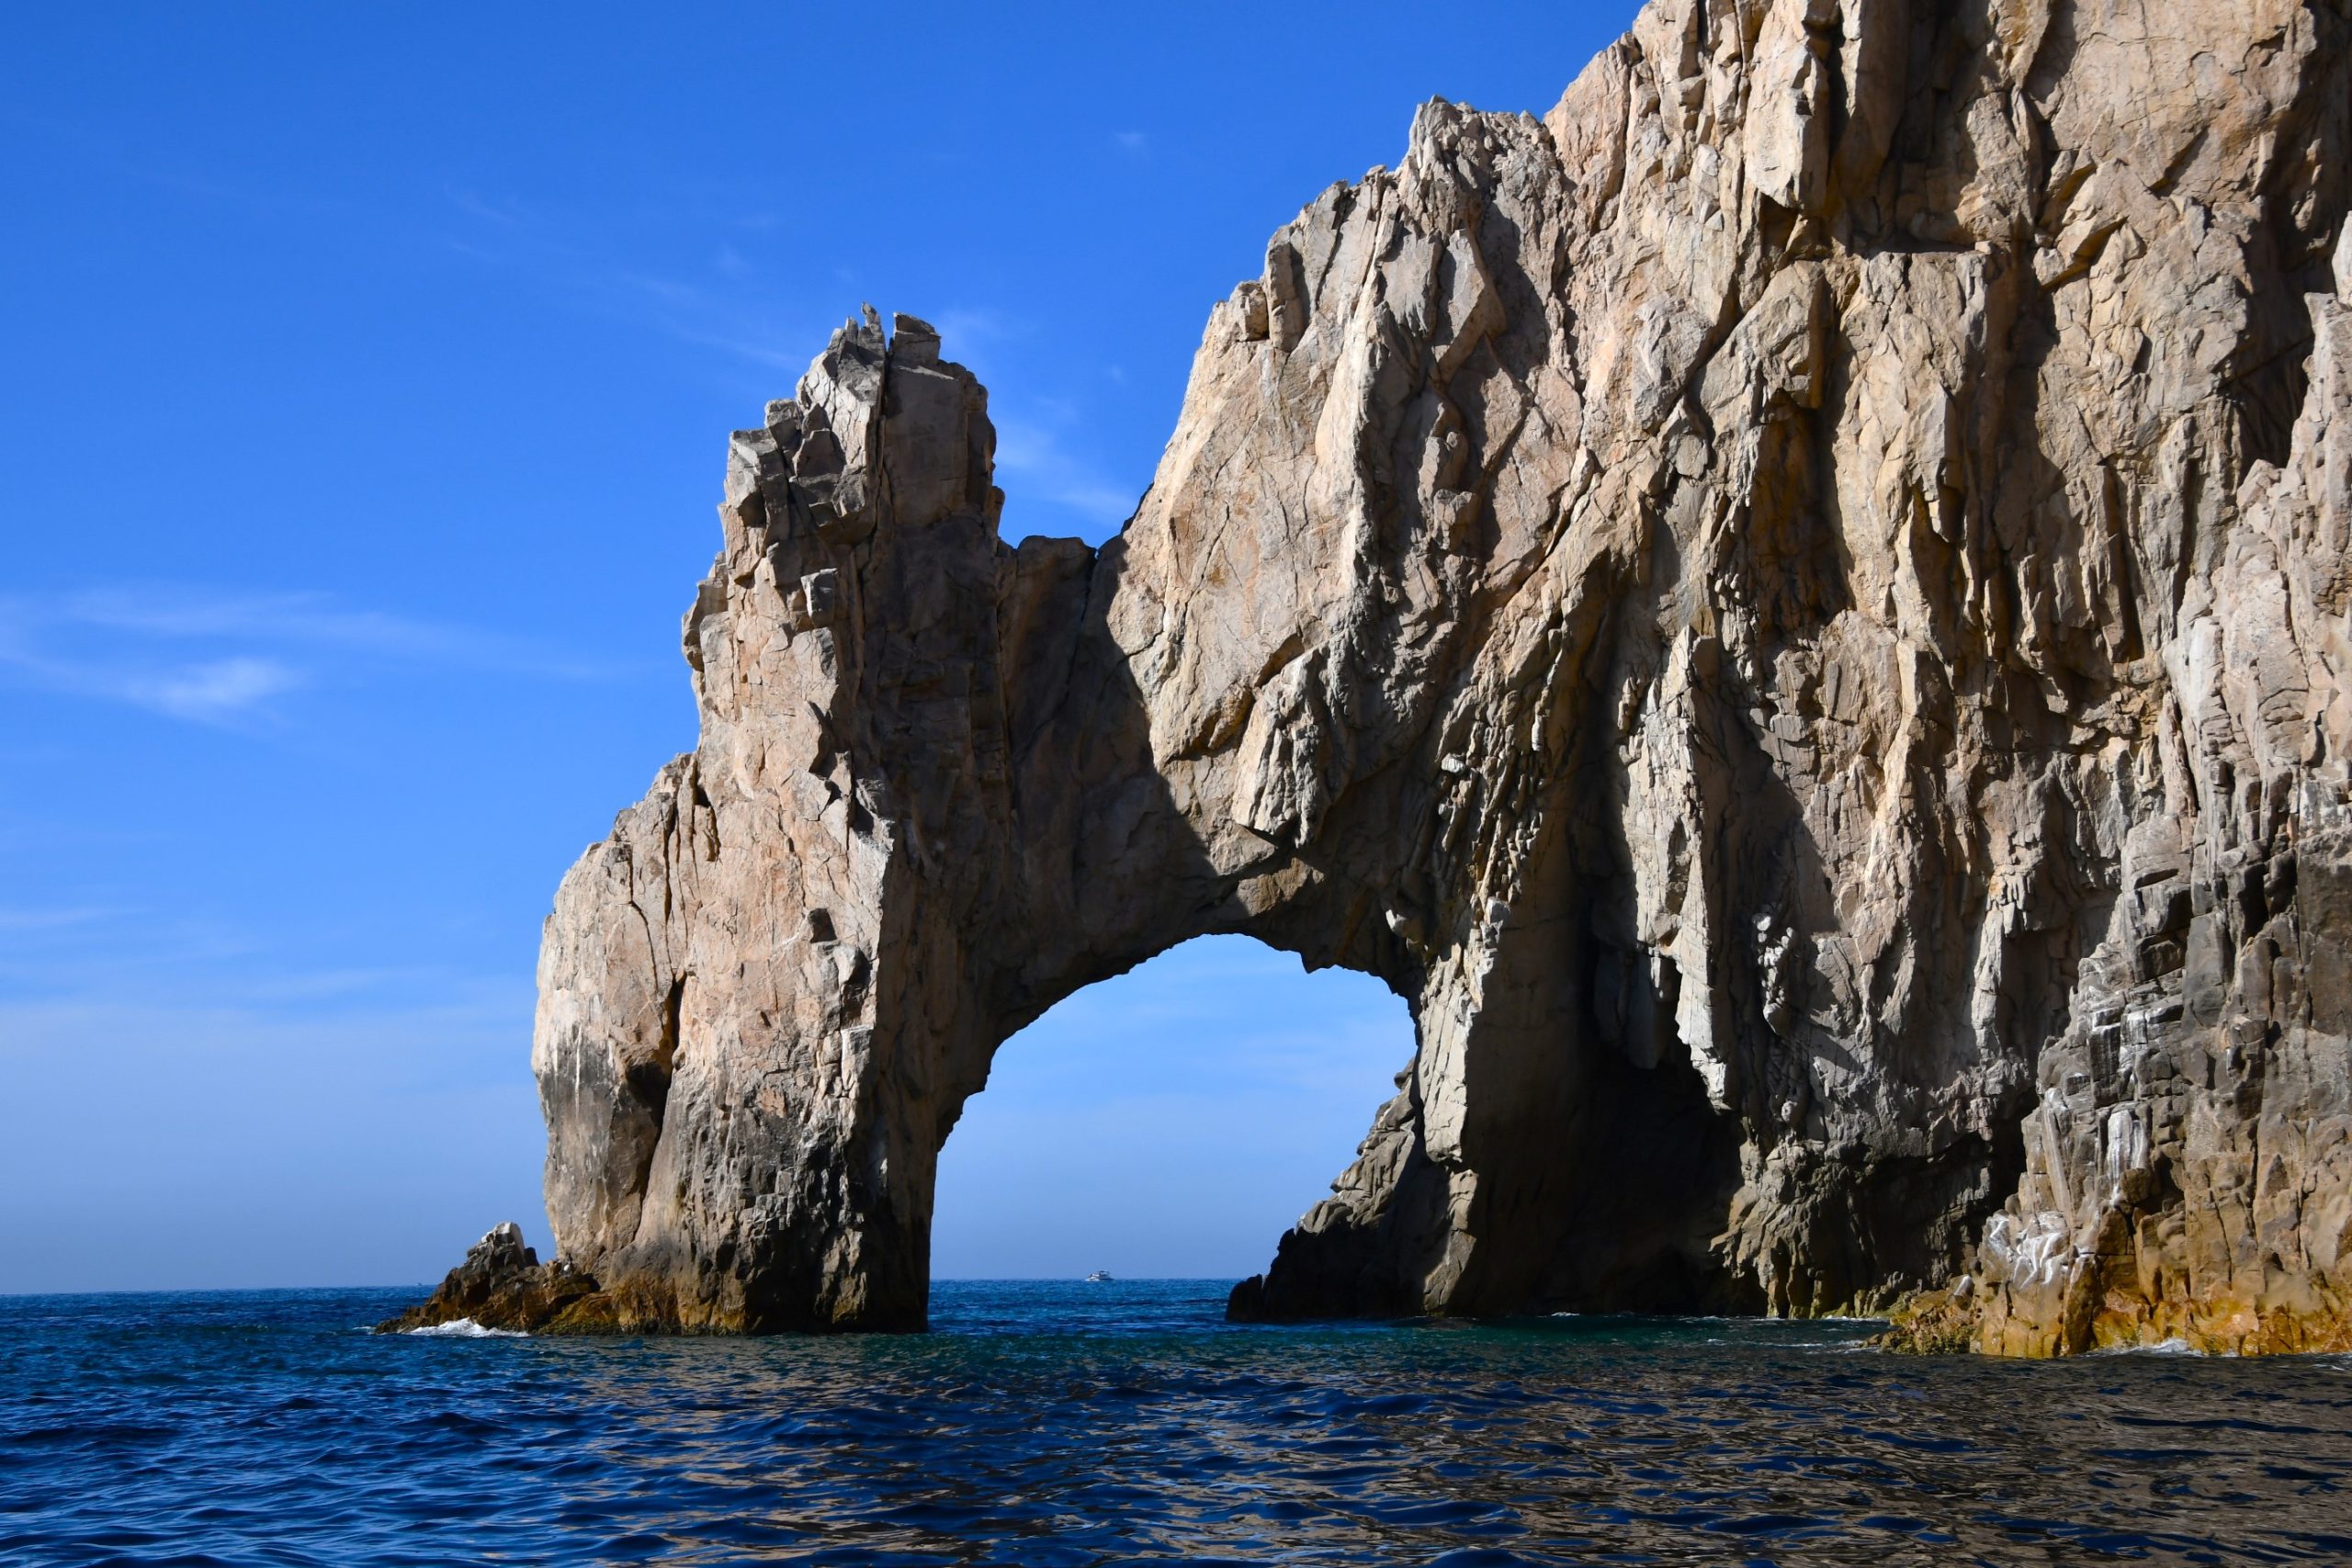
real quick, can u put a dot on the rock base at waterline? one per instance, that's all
(502, 1285)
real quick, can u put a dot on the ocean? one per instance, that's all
(1058, 1424)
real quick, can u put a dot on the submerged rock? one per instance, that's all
(1796, 609)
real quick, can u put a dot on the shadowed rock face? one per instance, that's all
(1794, 609)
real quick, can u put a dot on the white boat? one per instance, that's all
(1098, 1278)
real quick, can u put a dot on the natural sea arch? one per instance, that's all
(1855, 816)
(1170, 1122)
(944, 782)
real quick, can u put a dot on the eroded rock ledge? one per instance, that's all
(1794, 609)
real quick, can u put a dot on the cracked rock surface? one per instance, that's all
(1795, 608)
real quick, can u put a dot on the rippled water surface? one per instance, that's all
(1068, 1424)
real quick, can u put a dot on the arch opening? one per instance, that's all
(1172, 1122)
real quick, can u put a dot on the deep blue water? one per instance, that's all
(1055, 1424)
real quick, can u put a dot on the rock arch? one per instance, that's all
(943, 784)
(1750, 602)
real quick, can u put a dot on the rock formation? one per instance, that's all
(502, 1285)
(1796, 609)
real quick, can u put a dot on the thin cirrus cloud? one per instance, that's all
(214, 691)
(1036, 451)
(1032, 463)
(593, 278)
(19, 919)
(225, 659)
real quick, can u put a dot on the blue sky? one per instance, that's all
(369, 373)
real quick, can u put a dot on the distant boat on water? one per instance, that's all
(1098, 1278)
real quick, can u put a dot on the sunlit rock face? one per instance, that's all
(1794, 608)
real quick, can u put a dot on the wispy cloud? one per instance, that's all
(22, 919)
(1039, 455)
(227, 658)
(186, 612)
(1039, 452)
(218, 690)
(963, 331)
(703, 312)
(1132, 141)
(230, 692)
(1036, 464)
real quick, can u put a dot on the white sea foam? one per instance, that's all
(466, 1328)
(2173, 1347)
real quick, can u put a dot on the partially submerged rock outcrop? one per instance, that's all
(1796, 609)
(501, 1285)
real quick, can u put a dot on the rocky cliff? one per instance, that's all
(1796, 609)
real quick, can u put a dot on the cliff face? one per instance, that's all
(1796, 609)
